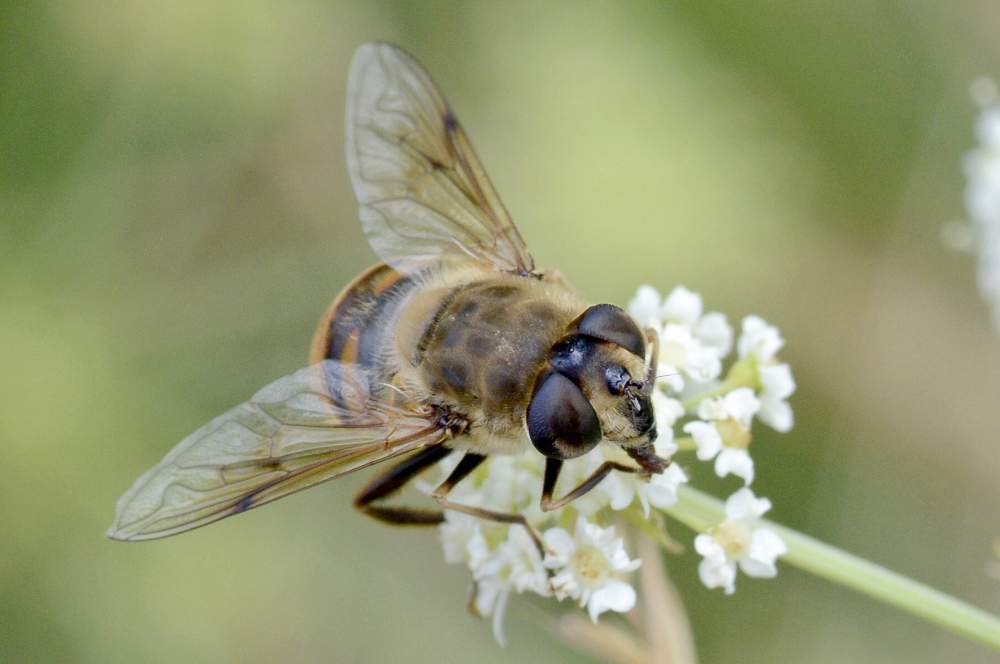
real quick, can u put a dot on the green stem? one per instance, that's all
(685, 444)
(701, 511)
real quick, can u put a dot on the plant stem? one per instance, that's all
(700, 511)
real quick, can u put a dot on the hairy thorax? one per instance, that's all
(477, 342)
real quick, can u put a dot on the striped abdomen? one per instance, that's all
(356, 327)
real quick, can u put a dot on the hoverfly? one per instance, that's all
(454, 342)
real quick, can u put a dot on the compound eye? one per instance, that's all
(610, 323)
(561, 422)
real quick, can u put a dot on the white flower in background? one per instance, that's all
(667, 411)
(587, 566)
(715, 332)
(691, 344)
(645, 307)
(759, 339)
(680, 351)
(761, 342)
(682, 307)
(462, 540)
(723, 432)
(741, 541)
(513, 566)
(981, 166)
(777, 385)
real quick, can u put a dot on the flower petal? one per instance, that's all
(716, 573)
(776, 380)
(714, 331)
(682, 306)
(644, 306)
(614, 596)
(760, 569)
(499, 611)
(661, 490)
(707, 547)
(744, 505)
(620, 490)
(667, 411)
(735, 461)
(561, 544)
(777, 415)
(766, 546)
(759, 339)
(706, 437)
(703, 363)
(741, 404)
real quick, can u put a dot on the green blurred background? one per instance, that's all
(175, 215)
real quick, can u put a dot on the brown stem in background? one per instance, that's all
(603, 640)
(664, 617)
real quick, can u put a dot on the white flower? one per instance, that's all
(739, 405)
(723, 432)
(739, 541)
(762, 342)
(690, 343)
(644, 307)
(512, 485)
(715, 332)
(462, 539)
(513, 566)
(682, 306)
(667, 412)
(759, 339)
(517, 563)
(680, 351)
(587, 565)
(777, 385)
(659, 490)
(981, 166)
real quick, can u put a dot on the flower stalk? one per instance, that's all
(700, 512)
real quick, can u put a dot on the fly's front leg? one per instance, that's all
(468, 464)
(553, 466)
(645, 456)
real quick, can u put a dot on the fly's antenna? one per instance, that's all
(653, 337)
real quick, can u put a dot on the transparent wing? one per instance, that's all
(317, 424)
(422, 191)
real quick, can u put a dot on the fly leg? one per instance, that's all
(651, 464)
(468, 464)
(392, 481)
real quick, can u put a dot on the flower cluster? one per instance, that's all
(585, 559)
(982, 196)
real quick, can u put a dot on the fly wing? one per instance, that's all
(423, 193)
(317, 424)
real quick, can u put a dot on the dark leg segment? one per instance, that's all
(552, 468)
(392, 481)
(468, 464)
